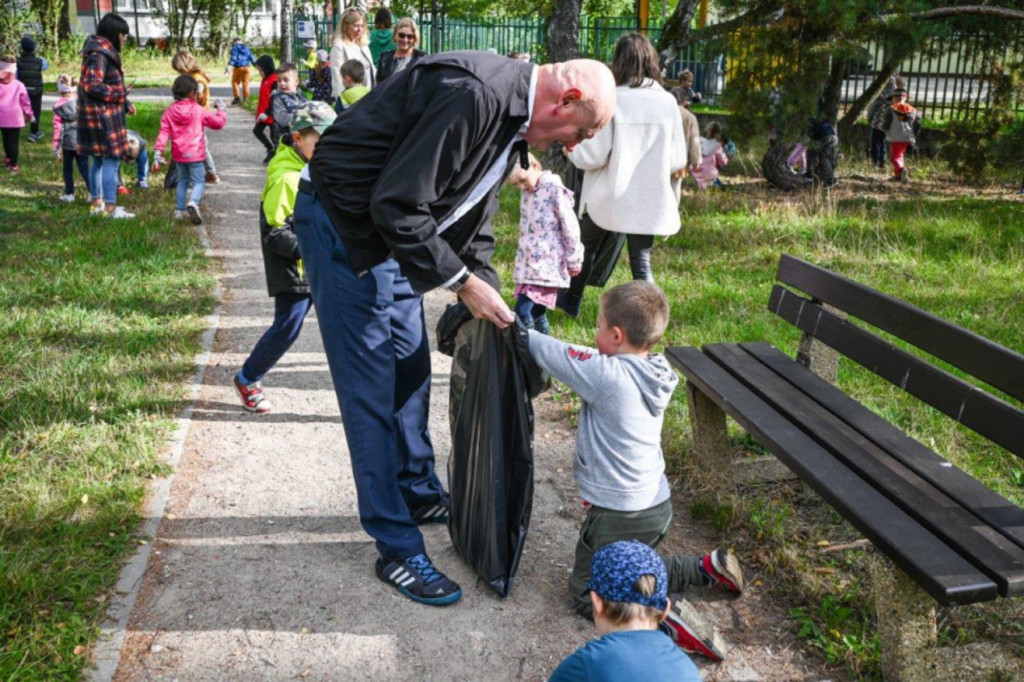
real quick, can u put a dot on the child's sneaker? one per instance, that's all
(123, 191)
(180, 215)
(904, 175)
(14, 168)
(418, 580)
(120, 214)
(431, 513)
(7, 162)
(96, 210)
(235, 101)
(67, 198)
(252, 396)
(722, 570)
(143, 184)
(701, 640)
(193, 213)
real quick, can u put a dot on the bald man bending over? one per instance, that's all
(398, 200)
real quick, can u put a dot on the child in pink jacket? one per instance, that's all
(15, 109)
(713, 157)
(550, 250)
(183, 122)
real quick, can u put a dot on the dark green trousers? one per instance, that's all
(604, 526)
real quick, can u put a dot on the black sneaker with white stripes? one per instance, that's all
(418, 580)
(436, 512)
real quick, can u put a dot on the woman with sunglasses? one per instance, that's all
(407, 37)
(350, 42)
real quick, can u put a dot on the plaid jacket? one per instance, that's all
(102, 99)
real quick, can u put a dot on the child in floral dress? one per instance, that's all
(550, 250)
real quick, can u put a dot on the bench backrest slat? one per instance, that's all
(990, 362)
(993, 418)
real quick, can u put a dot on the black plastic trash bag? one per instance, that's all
(608, 250)
(490, 470)
(171, 178)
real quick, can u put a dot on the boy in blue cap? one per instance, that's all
(629, 591)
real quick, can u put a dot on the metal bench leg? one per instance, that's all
(710, 443)
(907, 631)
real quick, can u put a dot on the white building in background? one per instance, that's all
(143, 16)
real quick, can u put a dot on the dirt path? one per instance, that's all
(260, 570)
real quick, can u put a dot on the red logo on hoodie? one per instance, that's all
(578, 354)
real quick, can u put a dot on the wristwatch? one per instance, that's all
(457, 285)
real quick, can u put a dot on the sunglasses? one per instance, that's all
(406, 36)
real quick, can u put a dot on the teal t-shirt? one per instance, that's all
(630, 655)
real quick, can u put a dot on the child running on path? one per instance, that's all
(239, 62)
(264, 120)
(15, 109)
(65, 135)
(286, 281)
(183, 124)
(629, 593)
(185, 63)
(618, 464)
(550, 250)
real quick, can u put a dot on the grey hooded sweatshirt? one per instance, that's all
(619, 464)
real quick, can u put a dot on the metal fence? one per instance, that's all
(946, 79)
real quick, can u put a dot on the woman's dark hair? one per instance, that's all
(112, 27)
(634, 61)
(184, 87)
(382, 19)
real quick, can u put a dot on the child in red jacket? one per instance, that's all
(183, 123)
(265, 65)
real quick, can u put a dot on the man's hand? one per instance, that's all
(485, 303)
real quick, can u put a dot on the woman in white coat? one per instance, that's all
(351, 41)
(628, 183)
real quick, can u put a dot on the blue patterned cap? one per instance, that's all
(617, 567)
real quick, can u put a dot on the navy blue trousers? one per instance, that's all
(374, 335)
(289, 312)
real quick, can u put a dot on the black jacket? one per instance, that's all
(281, 259)
(30, 73)
(390, 170)
(387, 62)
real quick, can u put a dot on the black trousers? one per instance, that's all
(37, 107)
(591, 234)
(10, 138)
(260, 131)
(877, 150)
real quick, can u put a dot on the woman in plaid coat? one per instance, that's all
(102, 102)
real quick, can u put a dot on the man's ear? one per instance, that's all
(570, 96)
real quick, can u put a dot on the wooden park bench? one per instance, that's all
(953, 539)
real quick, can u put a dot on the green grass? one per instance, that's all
(958, 255)
(101, 321)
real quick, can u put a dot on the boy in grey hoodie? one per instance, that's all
(619, 464)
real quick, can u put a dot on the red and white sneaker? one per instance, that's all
(123, 191)
(693, 639)
(722, 570)
(252, 396)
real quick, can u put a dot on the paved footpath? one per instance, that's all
(260, 570)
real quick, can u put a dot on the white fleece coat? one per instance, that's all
(341, 52)
(627, 184)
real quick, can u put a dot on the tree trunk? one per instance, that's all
(287, 51)
(564, 30)
(834, 88)
(777, 172)
(64, 29)
(677, 26)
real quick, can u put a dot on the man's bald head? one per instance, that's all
(574, 100)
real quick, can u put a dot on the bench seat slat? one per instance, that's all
(940, 571)
(985, 414)
(985, 548)
(992, 363)
(988, 505)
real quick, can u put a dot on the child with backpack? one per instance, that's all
(65, 135)
(183, 124)
(30, 72)
(901, 124)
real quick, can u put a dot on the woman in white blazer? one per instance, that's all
(351, 41)
(628, 167)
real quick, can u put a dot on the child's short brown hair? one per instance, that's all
(287, 67)
(640, 309)
(354, 70)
